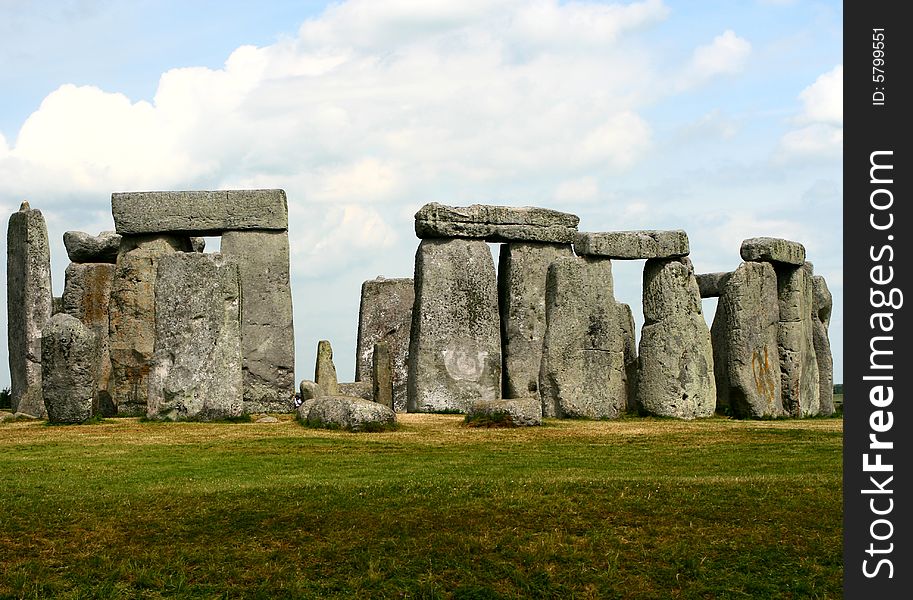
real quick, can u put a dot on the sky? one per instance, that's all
(722, 118)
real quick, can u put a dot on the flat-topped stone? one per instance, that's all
(767, 249)
(514, 412)
(633, 245)
(711, 285)
(346, 412)
(495, 223)
(199, 212)
(87, 248)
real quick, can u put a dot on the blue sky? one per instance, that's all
(721, 118)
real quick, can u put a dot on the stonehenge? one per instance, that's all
(150, 325)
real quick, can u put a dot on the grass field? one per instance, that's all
(637, 508)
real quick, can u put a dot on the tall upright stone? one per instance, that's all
(68, 366)
(385, 316)
(86, 296)
(522, 271)
(582, 373)
(821, 315)
(29, 305)
(267, 329)
(455, 347)
(196, 368)
(676, 358)
(799, 378)
(744, 336)
(131, 325)
(382, 374)
(325, 370)
(625, 322)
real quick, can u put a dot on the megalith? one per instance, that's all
(455, 347)
(325, 370)
(382, 374)
(711, 285)
(582, 373)
(822, 304)
(29, 305)
(385, 316)
(267, 329)
(195, 371)
(676, 358)
(625, 322)
(68, 369)
(86, 248)
(86, 295)
(495, 223)
(744, 336)
(799, 377)
(633, 245)
(131, 326)
(522, 272)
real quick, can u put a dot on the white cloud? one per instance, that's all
(823, 100)
(819, 131)
(725, 55)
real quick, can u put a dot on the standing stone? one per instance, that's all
(625, 322)
(799, 377)
(267, 330)
(131, 327)
(744, 336)
(821, 315)
(455, 346)
(522, 271)
(68, 369)
(196, 368)
(86, 295)
(676, 357)
(385, 316)
(583, 360)
(382, 374)
(325, 370)
(29, 305)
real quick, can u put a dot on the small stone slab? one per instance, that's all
(356, 389)
(346, 412)
(68, 366)
(519, 412)
(633, 245)
(767, 249)
(87, 248)
(495, 223)
(199, 212)
(711, 285)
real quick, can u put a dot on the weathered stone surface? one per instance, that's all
(522, 271)
(131, 324)
(676, 357)
(345, 412)
(455, 347)
(29, 305)
(267, 329)
(86, 248)
(625, 321)
(267, 419)
(583, 359)
(56, 305)
(325, 370)
(196, 369)
(629, 245)
(744, 337)
(382, 374)
(822, 303)
(198, 244)
(386, 316)
(799, 377)
(521, 412)
(68, 368)
(358, 389)
(86, 294)
(495, 223)
(711, 285)
(199, 212)
(773, 250)
(309, 389)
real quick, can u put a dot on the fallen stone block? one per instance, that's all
(495, 223)
(632, 245)
(514, 412)
(68, 369)
(345, 412)
(769, 249)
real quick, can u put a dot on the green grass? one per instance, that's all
(638, 508)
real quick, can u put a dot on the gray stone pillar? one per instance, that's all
(799, 378)
(86, 295)
(68, 367)
(676, 357)
(744, 336)
(382, 374)
(29, 303)
(821, 316)
(325, 370)
(267, 329)
(196, 369)
(131, 325)
(385, 316)
(455, 346)
(522, 271)
(583, 358)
